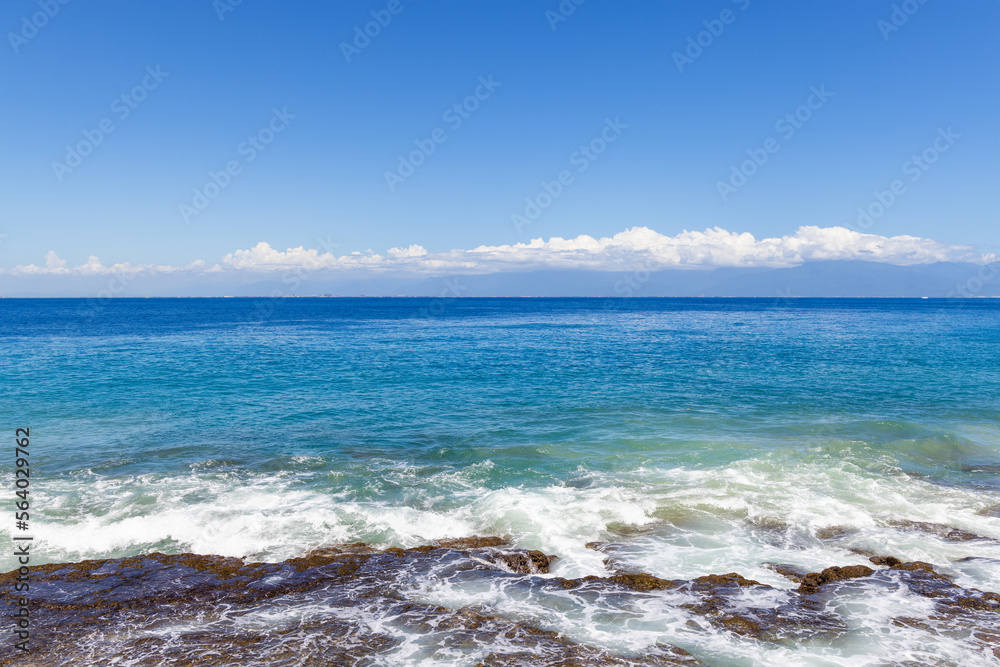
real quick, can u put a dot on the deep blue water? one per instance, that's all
(182, 380)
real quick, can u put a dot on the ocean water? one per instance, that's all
(687, 436)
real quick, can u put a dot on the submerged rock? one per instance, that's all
(963, 613)
(990, 511)
(790, 572)
(729, 602)
(835, 532)
(812, 582)
(583, 656)
(948, 533)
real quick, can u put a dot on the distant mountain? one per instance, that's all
(854, 278)
(817, 279)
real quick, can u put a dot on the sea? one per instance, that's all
(673, 437)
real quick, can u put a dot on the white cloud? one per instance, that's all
(53, 263)
(93, 267)
(630, 249)
(412, 251)
(717, 248)
(262, 257)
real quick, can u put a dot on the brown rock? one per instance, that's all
(915, 565)
(742, 625)
(833, 532)
(812, 582)
(791, 572)
(642, 582)
(474, 542)
(424, 548)
(731, 579)
(523, 562)
(861, 551)
(885, 560)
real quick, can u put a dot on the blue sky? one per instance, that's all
(888, 95)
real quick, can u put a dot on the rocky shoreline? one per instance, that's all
(350, 604)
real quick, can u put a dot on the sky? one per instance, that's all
(197, 136)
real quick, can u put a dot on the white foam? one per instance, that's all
(677, 522)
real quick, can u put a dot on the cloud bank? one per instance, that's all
(637, 247)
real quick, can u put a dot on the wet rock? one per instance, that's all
(424, 548)
(523, 562)
(790, 572)
(747, 608)
(474, 542)
(962, 613)
(726, 601)
(114, 611)
(916, 565)
(768, 524)
(977, 559)
(346, 561)
(776, 533)
(812, 582)
(948, 533)
(333, 549)
(907, 622)
(345, 604)
(989, 639)
(582, 656)
(912, 566)
(613, 562)
(629, 530)
(885, 560)
(835, 532)
(862, 551)
(957, 535)
(990, 511)
(642, 582)
(711, 581)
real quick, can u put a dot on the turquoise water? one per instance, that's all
(696, 435)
